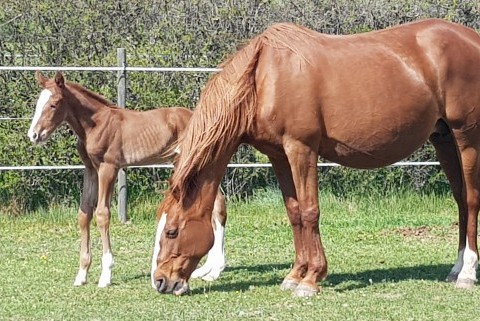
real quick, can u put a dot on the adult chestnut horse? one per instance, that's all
(110, 138)
(363, 101)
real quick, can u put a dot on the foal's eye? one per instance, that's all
(173, 233)
(53, 106)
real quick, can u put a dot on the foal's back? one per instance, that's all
(147, 137)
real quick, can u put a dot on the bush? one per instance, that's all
(164, 33)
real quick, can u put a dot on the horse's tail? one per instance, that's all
(223, 114)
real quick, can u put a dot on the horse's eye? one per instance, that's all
(173, 233)
(53, 106)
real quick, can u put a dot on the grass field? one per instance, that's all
(388, 257)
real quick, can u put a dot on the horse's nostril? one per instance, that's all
(35, 135)
(161, 285)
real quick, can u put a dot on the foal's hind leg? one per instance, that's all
(106, 178)
(85, 213)
(216, 261)
(449, 158)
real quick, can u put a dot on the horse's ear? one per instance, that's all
(59, 80)
(41, 79)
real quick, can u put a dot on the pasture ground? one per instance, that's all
(388, 257)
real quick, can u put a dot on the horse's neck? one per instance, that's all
(82, 115)
(208, 180)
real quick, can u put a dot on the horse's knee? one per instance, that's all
(310, 215)
(293, 212)
(84, 219)
(102, 216)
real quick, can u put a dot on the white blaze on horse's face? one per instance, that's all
(34, 136)
(156, 247)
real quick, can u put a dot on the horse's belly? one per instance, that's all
(377, 147)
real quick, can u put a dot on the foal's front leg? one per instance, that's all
(106, 178)
(85, 213)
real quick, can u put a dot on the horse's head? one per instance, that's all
(184, 236)
(50, 110)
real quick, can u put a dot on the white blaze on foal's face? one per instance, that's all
(42, 101)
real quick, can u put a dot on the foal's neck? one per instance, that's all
(84, 106)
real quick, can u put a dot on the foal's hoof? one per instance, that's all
(288, 285)
(452, 277)
(465, 284)
(305, 291)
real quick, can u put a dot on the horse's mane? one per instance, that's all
(226, 107)
(91, 94)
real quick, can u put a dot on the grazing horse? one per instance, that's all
(110, 138)
(363, 101)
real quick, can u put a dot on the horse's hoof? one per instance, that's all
(288, 285)
(452, 277)
(305, 291)
(464, 284)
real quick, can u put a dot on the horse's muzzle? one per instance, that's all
(177, 287)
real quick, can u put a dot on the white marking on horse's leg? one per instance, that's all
(41, 102)
(453, 275)
(106, 276)
(216, 261)
(468, 274)
(156, 246)
(81, 277)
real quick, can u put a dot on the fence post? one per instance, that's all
(121, 98)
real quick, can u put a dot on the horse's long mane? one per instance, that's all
(88, 93)
(227, 106)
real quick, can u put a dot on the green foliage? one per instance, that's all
(199, 33)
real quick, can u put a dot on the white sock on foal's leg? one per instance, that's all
(156, 247)
(106, 276)
(81, 277)
(216, 261)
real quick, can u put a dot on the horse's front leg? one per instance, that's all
(106, 178)
(216, 260)
(85, 213)
(297, 176)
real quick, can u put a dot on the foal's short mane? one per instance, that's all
(91, 94)
(227, 104)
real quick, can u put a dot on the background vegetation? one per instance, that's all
(195, 33)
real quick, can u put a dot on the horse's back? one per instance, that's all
(370, 99)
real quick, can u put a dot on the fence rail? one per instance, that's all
(123, 69)
(231, 165)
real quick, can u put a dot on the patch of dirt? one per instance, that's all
(423, 232)
(420, 232)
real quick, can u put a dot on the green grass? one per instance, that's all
(387, 259)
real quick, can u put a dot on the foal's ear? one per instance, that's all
(41, 79)
(59, 80)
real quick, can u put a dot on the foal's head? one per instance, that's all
(50, 111)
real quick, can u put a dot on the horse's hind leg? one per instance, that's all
(106, 179)
(449, 158)
(85, 213)
(216, 261)
(469, 146)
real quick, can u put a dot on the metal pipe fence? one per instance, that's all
(122, 71)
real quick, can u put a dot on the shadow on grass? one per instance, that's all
(272, 274)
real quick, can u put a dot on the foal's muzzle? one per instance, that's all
(37, 138)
